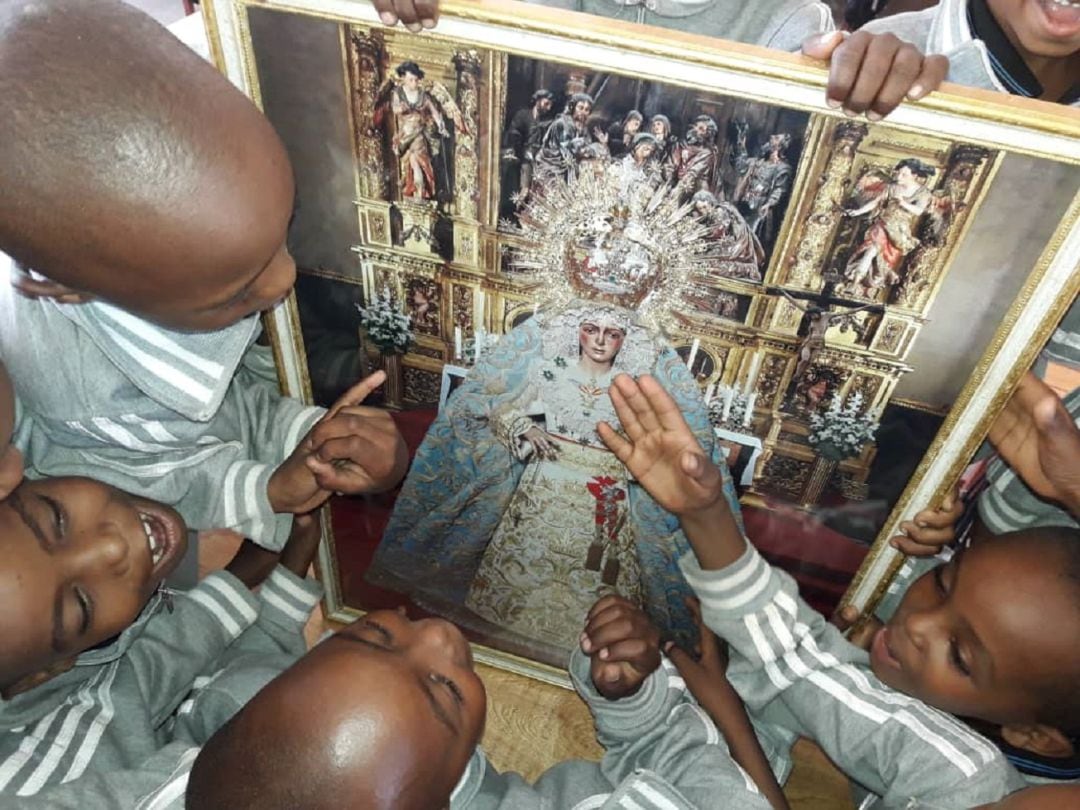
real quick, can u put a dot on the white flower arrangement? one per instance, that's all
(842, 430)
(386, 325)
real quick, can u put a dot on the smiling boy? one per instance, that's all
(973, 639)
(96, 658)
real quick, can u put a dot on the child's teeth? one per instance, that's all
(156, 550)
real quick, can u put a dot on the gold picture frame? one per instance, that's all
(969, 145)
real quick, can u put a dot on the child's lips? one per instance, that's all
(1062, 19)
(881, 650)
(166, 537)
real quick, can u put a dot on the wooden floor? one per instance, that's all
(533, 725)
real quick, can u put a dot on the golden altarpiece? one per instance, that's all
(440, 251)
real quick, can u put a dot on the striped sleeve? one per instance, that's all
(286, 604)
(661, 749)
(158, 783)
(177, 645)
(264, 650)
(796, 671)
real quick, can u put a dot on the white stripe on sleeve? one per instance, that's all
(94, 733)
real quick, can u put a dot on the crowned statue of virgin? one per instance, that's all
(515, 518)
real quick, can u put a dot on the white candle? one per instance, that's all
(457, 342)
(709, 391)
(693, 354)
(729, 395)
(751, 378)
(749, 410)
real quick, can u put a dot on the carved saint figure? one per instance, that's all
(421, 135)
(694, 160)
(522, 139)
(763, 180)
(736, 252)
(622, 133)
(660, 127)
(896, 206)
(818, 323)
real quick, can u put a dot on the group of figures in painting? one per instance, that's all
(739, 193)
(540, 147)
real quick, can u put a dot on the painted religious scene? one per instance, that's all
(504, 235)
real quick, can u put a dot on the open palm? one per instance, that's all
(658, 447)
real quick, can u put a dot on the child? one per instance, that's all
(97, 658)
(406, 714)
(971, 638)
(1024, 47)
(166, 195)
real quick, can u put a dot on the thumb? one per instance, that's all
(821, 46)
(693, 464)
(846, 616)
(679, 657)
(1047, 415)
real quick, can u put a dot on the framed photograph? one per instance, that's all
(870, 292)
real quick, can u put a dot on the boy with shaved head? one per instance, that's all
(145, 202)
(388, 712)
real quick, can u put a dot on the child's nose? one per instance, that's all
(921, 626)
(442, 638)
(107, 552)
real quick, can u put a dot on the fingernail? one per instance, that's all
(586, 645)
(388, 18)
(874, 116)
(916, 92)
(921, 524)
(850, 113)
(604, 654)
(414, 28)
(833, 103)
(428, 23)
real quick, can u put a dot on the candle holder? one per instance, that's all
(731, 409)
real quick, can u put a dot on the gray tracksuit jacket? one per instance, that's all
(662, 753)
(800, 677)
(192, 420)
(781, 24)
(160, 682)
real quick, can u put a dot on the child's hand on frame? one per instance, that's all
(413, 14)
(623, 645)
(658, 447)
(873, 73)
(931, 529)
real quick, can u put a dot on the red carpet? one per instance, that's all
(821, 560)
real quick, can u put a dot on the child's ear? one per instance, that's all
(1038, 738)
(34, 679)
(33, 285)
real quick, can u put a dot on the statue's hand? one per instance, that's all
(541, 443)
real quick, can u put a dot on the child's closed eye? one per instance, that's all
(451, 687)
